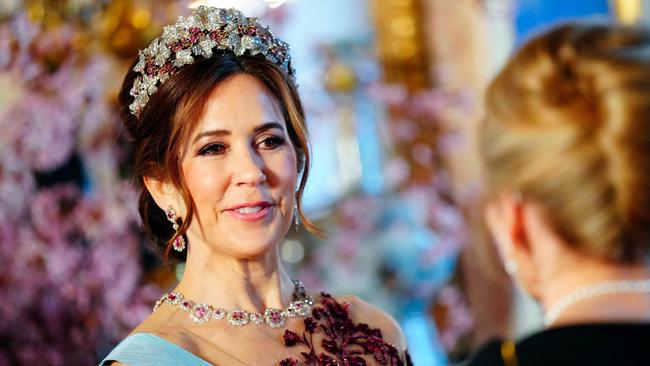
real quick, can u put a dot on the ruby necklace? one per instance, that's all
(300, 306)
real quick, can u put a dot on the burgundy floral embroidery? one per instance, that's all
(291, 338)
(344, 343)
(289, 362)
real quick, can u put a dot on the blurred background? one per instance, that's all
(393, 91)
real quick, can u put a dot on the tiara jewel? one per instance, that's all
(197, 35)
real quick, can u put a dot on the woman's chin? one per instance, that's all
(253, 254)
(252, 245)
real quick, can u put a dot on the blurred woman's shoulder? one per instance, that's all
(585, 344)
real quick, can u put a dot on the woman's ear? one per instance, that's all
(501, 216)
(517, 228)
(507, 223)
(163, 193)
(524, 250)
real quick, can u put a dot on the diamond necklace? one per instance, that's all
(300, 306)
(594, 290)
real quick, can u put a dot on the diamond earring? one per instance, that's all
(296, 218)
(179, 242)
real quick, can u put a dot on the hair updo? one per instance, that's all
(568, 125)
(163, 128)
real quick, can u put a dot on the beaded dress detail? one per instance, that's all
(343, 342)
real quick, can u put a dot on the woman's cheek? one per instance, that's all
(202, 182)
(289, 165)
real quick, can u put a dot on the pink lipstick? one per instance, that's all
(252, 211)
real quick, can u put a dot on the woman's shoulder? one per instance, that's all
(492, 354)
(586, 344)
(150, 349)
(589, 344)
(363, 312)
(149, 344)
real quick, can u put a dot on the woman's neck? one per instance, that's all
(226, 282)
(599, 306)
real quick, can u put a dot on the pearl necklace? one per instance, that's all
(595, 290)
(275, 318)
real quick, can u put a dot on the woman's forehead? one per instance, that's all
(240, 102)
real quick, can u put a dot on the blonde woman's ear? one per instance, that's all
(496, 222)
(517, 224)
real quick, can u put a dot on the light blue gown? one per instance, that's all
(142, 349)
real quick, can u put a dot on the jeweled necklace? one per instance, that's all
(300, 306)
(595, 290)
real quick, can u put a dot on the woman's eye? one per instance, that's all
(213, 149)
(271, 142)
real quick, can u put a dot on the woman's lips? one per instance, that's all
(251, 212)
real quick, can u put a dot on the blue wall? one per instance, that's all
(533, 15)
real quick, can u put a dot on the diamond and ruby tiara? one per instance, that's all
(197, 35)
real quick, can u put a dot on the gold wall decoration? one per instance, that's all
(127, 26)
(47, 13)
(122, 26)
(400, 42)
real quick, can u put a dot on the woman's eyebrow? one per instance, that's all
(211, 133)
(268, 126)
(261, 128)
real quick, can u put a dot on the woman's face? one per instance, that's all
(241, 170)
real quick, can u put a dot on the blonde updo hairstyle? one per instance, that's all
(568, 125)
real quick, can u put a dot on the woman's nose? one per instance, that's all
(248, 168)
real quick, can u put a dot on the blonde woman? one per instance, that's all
(566, 149)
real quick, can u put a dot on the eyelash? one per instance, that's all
(207, 150)
(274, 141)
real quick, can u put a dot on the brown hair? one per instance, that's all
(161, 132)
(568, 125)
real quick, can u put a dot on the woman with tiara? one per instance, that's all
(222, 156)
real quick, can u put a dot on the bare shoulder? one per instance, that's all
(363, 312)
(157, 322)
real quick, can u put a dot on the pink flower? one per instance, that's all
(52, 211)
(16, 187)
(392, 95)
(70, 258)
(41, 131)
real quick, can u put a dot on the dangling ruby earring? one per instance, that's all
(179, 242)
